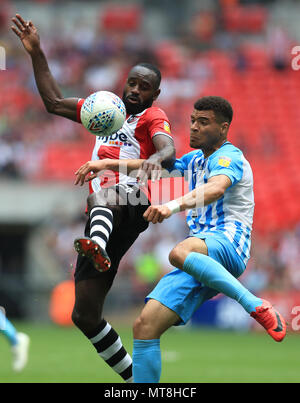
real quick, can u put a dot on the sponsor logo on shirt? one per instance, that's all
(116, 139)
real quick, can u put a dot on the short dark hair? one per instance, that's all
(155, 70)
(220, 106)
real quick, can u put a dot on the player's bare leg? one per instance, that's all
(146, 328)
(180, 252)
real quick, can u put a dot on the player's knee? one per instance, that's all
(96, 199)
(106, 198)
(76, 318)
(138, 328)
(177, 256)
(85, 322)
(143, 328)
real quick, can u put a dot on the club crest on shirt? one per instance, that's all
(224, 161)
(131, 119)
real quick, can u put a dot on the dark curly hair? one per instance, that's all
(221, 107)
(154, 69)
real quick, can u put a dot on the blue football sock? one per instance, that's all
(211, 273)
(146, 361)
(8, 329)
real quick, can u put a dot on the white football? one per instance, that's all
(103, 113)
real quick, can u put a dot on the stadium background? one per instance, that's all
(241, 50)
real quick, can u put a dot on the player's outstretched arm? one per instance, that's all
(47, 86)
(206, 194)
(126, 166)
(95, 167)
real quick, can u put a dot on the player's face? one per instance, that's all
(206, 133)
(140, 90)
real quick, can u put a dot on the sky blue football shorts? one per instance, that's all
(181, 293)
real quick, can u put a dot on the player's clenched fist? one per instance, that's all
(157, 214)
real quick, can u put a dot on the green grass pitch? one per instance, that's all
(63, 355)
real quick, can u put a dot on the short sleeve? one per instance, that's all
(158, 123)
(229, 164)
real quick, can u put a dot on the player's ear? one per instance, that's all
(156, 94)
(224, 128)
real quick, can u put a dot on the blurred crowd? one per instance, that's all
(99, 56)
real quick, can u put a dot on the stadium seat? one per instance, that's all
(249, 19)
(61, 160)
(121, 18)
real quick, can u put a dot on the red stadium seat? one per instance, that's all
(61, 160)
(121, 18)
(244, 18)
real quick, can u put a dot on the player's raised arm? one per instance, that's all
(47, 86)
(206, 194)
(94, 167)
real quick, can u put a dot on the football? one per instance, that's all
(103, 113)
